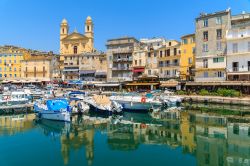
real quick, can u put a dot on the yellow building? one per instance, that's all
(187, 60)
(10, 62)
(39, 67)
(169, 60)
(74, 44)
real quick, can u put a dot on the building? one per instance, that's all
(93, 66)
(40, 67)
(10, 62)
(142, 63)
(152, 46)
(72, 45)
(238, 48)
(187, 59)
(120, 58)
(210, 38)
(169, 60)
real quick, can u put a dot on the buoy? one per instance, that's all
(143, 99)
(143, 126)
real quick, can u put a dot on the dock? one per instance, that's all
(14, 109)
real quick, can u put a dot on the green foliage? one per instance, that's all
(220, 92)
(181, 92)
(204, 92)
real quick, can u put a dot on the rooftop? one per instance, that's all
(206, 15)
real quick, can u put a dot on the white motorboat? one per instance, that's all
(102, 104)
(170, 99)
(136, 102)
(14, 98)
(54, 109)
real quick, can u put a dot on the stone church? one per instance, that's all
(76, 43)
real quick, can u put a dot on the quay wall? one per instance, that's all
(217, 99)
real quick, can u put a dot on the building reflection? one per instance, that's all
(10, 125)
(213, 139)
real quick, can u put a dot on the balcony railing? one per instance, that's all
(123, 60)
(235, 68)
(121, 68)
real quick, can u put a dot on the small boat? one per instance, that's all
(77, 95)
(14, 98)
(102, 104)
(136, 102)
(53, 109)
(170, 99)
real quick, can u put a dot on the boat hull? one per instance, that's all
(139, 106)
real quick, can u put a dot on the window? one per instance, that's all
(174, 72)
(220, 74)
(160, 53)
(218, 60)
(14, 61)
(205, 48)
(175, 51)
(218, 46)
(190, 60)
(10, 75)
(205, 74)
(248, 47)
(10, 69)
(9, 61)
(43, 71)
(135, 62)
(34, 71)
(155, 54)
(1, 75)
(14, 75)
(193, 50)
(168, 52)
(75, 49)
(149, 72)
(205, 23)
(219, 33)
(0, 60)
(235, 66)
(218, 20)
(205, 63)
(235, 47)
(248, 65)
(205, 36)
(149, 55)
(169, 44)
(140, 62)
(14, 69)
(184, 41)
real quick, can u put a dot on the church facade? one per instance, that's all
(72, 46)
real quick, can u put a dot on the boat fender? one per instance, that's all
(143, 99)
(143, 126)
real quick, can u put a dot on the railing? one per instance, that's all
(121, 68)
(235, 68)
(123, 60)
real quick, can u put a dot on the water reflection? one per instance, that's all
(211, 138)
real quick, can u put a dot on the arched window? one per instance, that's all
(88, 28)
(75, 49)
(63, 30)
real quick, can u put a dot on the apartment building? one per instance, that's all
(120, 58)
(238, 48)
(211, 44)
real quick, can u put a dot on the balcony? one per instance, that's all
(28, 72)
(209, 79)
(123, 59)
(236, 69)
(121, 68)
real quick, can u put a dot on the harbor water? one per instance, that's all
(186, 137)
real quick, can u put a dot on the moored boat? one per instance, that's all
(136, 102)
(102, 104)
(53, 109)
(14, 98)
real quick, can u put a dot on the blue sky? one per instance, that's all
(35, 23)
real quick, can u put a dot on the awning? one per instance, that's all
(142, 84)
(75, 82)
(99, 73)
(238, 73)
(107, 85)
(87, 71)
(138, 70)
(169, 83)
(71, 70)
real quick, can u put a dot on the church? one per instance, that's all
(76, 43)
